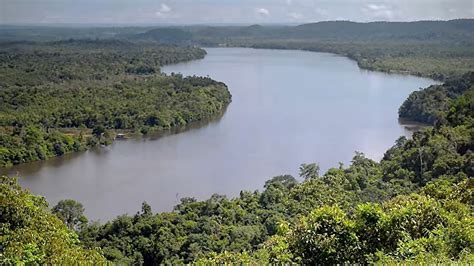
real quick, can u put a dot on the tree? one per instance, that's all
(30, 234)
(326, 236)
(309, 171)
(287, 181)
(71, 213)
(98, 130)
(146, 209)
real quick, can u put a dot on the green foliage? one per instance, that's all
(71, 213)
(309, 171)
(232, 258)
(30, 143)
(406, 229)
(30, 64)
(30, 234)
(430, 104)
(277, 249)
(43, 114)
(325, 236)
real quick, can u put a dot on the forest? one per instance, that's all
(429, 105)
(414, 206)
(67, 96)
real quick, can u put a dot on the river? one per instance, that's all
(289, 107)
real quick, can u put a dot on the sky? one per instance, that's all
(156, 12)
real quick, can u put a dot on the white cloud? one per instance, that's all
(289, 2)
(163, 11)
(262, 12)
(376, 7)
(378, 11)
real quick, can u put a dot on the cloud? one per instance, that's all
(262, 12)
(376, 7)
(289, 2)
(163, 11)
(379, 11)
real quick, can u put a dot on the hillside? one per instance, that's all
(429, 105)
(452, 31)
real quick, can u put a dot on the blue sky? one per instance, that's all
(227, 11)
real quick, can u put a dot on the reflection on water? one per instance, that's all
(27, 170)
(189, 127)
(288, 108)
(412, 126)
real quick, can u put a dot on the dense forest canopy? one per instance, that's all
(429, 105)
(31, 234)
(65, 96)
(37, 63)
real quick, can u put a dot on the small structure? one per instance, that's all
(120, 136)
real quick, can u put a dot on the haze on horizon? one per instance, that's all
(227, 11)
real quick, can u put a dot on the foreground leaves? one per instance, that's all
(30, 234)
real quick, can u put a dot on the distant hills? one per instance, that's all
(460, 30)
(166, 35)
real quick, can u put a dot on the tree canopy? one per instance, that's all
(31, 234)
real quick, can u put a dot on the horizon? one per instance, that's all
(126, 25)
(229, 12)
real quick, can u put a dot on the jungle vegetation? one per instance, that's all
(430, 104)
(415, 205)
(31, 234)
(69, 95)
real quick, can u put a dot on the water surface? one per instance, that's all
(289, 107)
